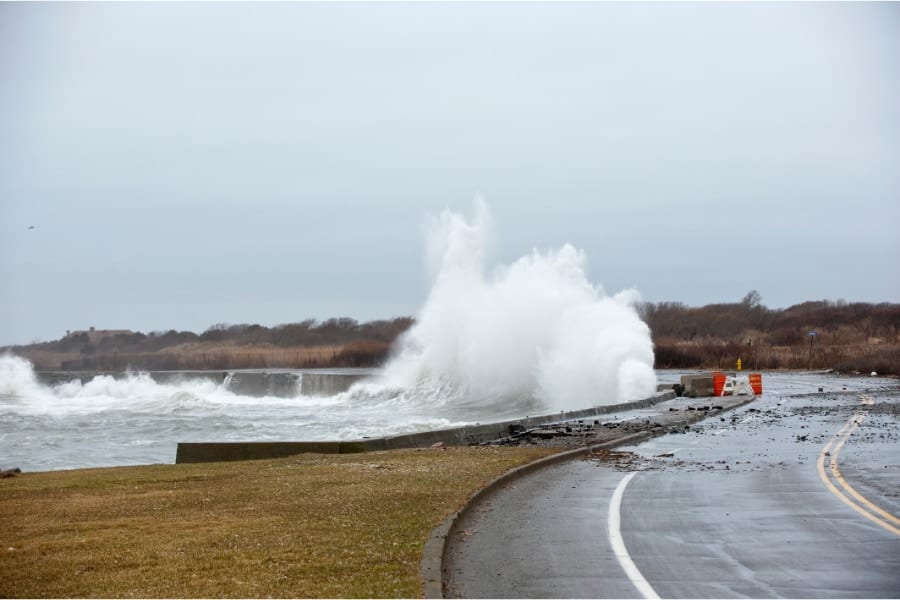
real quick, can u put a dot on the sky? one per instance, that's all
(187, 164)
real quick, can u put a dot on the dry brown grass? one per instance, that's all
(217, 356)
(304, 526)
(711, 354)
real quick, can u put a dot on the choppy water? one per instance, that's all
(135, 420)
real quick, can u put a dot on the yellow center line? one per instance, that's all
(862, 505)
(849, 488)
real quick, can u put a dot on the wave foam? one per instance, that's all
(533, 334)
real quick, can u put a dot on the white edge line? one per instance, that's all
(618, 544)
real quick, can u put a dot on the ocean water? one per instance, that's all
(135, 420)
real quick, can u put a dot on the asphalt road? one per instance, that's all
(747, 504)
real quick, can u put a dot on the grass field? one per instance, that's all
(304, 526)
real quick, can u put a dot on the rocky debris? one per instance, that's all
(546, 434)
(588, 432)
(518, 434)
(621, 461)
(516, 429)
(704, 408)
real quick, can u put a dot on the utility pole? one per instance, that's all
(812, 335)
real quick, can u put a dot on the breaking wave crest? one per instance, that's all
(532, 335)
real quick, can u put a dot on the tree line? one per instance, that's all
(338, 342)
(824, 334)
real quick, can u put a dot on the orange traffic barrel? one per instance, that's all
(756, 383)
(718, 383)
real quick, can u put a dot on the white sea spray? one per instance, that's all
(533, 334)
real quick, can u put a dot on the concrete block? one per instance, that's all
(700, 385)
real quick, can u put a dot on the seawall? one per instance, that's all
(195, 452)
(257, 383)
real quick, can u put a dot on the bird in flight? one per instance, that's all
(30, 227)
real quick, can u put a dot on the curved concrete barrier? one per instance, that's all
(194, 452)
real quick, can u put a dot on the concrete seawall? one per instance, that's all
(195, 452)
(278, 383)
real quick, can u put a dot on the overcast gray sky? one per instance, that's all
(189, 164)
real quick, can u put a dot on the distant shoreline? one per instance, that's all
(848, 337)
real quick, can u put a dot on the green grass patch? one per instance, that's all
(308, 526)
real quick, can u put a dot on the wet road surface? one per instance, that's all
(747, 504)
